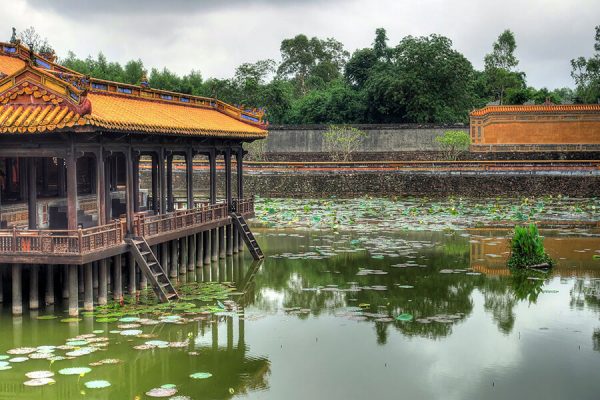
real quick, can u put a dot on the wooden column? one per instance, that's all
(221, 242)
(117, 278)
(73, 288)
(129, 190)
(1, 283)
(131, 283)
(88, 297)
(45, 179)
(155, 177)
(136, 181)
(49, 296)
(71, 162)
(214, 245)
(107, 197)
(240, 191)
(22, 177)
(229, 239)
(100, 187)
(228, 194)
(170, 200)
(240, 173)
(17, 287)
(199, 249)
(192, 255)
(183, 253)
(174, 259)
(164, 256)
(61, 178)
(189, 177)
(163, 181)
(34, 287)
(212, 163)
(102, 282)
(206, 247)
(32, 193)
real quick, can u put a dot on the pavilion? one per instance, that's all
(71, 207)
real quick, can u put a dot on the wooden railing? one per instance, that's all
(149, 226)
(82, 241)
(65, 242)
(244, 206)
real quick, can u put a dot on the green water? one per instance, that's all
(317, 320)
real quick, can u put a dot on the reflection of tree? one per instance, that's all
(500, 301)
(502, 294)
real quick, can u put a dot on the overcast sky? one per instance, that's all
(215, 36)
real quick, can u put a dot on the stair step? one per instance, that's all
(171, 295)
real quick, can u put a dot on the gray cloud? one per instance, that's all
(216, 36)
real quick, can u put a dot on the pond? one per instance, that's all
(357, 303)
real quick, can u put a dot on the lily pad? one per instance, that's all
(201, 375)
(131, 332)
(18, 359)
(169, 386)
(46, 317)
(39, 382)
(161, 392)
(405, 317)
(39, 374)
(75, 371)
(99, 384)
(70, 320)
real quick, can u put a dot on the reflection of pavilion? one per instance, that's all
(573, 254)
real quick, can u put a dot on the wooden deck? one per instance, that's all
(86, 245)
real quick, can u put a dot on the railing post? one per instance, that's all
(79, 237)
(14, 239)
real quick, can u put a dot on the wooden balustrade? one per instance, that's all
(82, 241)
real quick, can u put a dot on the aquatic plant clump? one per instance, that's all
(527, 248)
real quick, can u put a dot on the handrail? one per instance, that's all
(83, 241)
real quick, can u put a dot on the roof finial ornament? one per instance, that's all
(144, 83)
(14, 39)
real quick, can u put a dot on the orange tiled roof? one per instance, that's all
(10, 65)
(537, 108)
(124, 113)
(38, 96)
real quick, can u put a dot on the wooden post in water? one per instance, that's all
(173, 262)
(80, 280)
(102, 282)
(240, 190)
(49, 295)
(229, 239)
(64, 270)
(1, 283)
(17, 287)
(214, 245)
(88, 281)
(221, 242)
(199, 249)
(131, 284)
(73, 290)
(34, 294)
(117, 278)
(164, 256)
(95, 275)
(183, 246)
(192, 256)
(206, 247)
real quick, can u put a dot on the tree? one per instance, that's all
(425, 81)
(342, 140)
(454, 143)
(35, 42)
(311, 62)
(586, 73)
(358, 68)
(133, 72)
(500, 64)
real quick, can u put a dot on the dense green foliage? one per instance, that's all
(527, 248)
(586, 73)
(420, 80)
